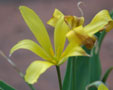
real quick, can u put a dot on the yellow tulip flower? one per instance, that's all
(44, 48)
(84, 35)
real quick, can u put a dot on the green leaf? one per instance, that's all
(106, 75)
(4, 86)
(84, 70)
(77, 74)
(95, 65)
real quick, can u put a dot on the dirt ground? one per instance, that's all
(13, 29)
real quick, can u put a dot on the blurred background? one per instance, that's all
(13, 29)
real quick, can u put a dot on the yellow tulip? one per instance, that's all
(84, 35)
(44, 48)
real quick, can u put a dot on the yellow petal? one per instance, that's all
(37, 27)
(72, 50)
(31, 46)
(73, 35)
(80, 37)
(56, 15)
(35, 69)
(101, 21)
(73, 21)
(61, 29)
(102, 87)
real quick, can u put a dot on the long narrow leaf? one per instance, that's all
(104, 79)
(4, 86)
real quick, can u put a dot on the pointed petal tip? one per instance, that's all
(21, 6)
(88, 55)
(29, 81)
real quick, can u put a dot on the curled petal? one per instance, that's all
(76, 35)
(37, 27)
(101, 21)
(35, 69)
(56, 15)
(80, 37)
(73, 21)
(31, 46)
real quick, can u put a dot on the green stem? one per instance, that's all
(16, 68)
(31, 86)
(59, 77)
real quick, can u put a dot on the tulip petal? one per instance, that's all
(35, 69)
(101, 21)
(73, 35)
(56, 15)
(37, 27)
(73, 21)
(31, 46)
(80, 37)
(61, 30)
(72, 50)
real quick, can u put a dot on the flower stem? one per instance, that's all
(16, 68)
(59, 77)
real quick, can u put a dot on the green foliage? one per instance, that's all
(106, 75)
(4, 86)
(76, 77)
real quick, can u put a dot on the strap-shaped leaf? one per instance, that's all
(4, 86)
(77, 73)
(31, 46)
(35, 69)
(106, 75)
(37, 27)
